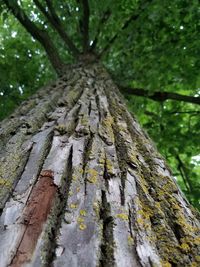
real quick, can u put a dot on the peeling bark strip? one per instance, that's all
(108, 198)
(34, 216)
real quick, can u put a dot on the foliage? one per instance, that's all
(153, 45)
(23, 65)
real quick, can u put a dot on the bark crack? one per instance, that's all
(105, 174)
(57, 214)
(107, 245)
(90, 108)
(98, 104)
(86, 157)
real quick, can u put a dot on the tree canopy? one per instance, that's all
(151, 48)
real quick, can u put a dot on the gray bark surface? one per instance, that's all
(105, 195)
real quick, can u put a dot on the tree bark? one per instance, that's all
(83, 185)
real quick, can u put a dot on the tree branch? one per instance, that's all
(134, 17)
(54, 20)
(86, 16)
(160, 96)
(112, 40)
(185, 112)
(103, 20)
(52, 10)
(40, 35)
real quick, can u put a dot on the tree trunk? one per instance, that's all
(82, 184)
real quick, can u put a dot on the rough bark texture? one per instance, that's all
(82, 184)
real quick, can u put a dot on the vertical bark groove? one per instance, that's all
(107, 245)
(51, 231)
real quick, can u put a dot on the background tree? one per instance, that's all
(143, 45)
